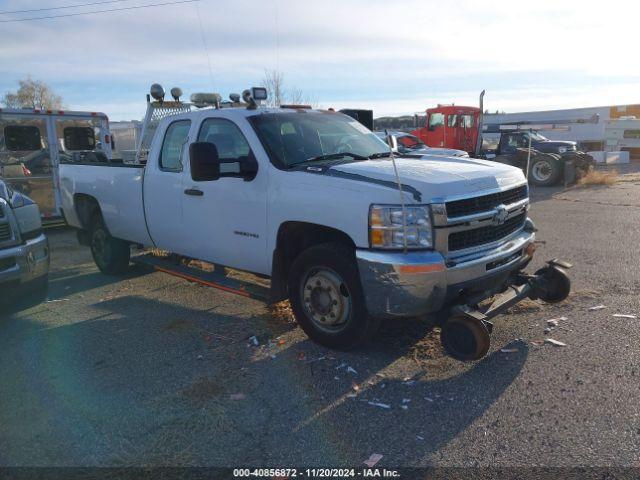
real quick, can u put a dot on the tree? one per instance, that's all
(277, 95)
(33, 94)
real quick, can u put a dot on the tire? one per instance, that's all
(465, 339)
(545, 171)
(327, 298)
(558, 284)
(111, 255)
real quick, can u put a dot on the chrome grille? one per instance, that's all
(5, 232)
(483, 235)
(470, 206)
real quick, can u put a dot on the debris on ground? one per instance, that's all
(372, 460)
(557, 343)
(355, 386)
(406, 400)
(418, 437)
(553, 322)
(598, 307)
(351, 370)
(342, 365)
(537, 343)
(302, 356)
(624, 315)
(404, 407)
(282, 341)
(381, 405)
(319, 359)
(408, 381)
(254, 340)
(428, 399)
(237, 396)
(547, 330)
(509, 350)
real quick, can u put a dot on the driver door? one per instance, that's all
(226, 218)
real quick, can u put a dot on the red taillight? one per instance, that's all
(26, 172)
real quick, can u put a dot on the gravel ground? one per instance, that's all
(153, 370)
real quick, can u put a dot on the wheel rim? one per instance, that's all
(326, 299)
(99, 246)
(541, 171)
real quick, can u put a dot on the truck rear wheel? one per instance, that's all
(327, 298)
(544, 171)
(110, 254)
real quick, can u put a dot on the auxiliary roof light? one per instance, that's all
(201, 100)
(176, 93)
(157, 92)
(253, 96)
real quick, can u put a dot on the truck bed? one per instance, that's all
(118, 190)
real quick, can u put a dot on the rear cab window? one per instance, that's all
(22, 138)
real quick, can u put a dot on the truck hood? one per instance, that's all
(551, 146)
(447, 152)
(432, 178)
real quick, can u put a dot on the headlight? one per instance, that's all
(386, 229)
(562, 149)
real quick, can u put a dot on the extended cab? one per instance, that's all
(315, 202)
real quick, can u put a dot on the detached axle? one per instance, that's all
(466, 333)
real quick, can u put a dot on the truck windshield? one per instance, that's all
(296, 138)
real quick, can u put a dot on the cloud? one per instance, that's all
(375, 52)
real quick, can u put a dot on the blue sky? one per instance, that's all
(397, 57)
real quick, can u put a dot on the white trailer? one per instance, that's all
(33, 143)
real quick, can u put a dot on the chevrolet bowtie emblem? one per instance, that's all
(500, 216)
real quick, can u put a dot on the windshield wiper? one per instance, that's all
(330, 156)
(380, 155)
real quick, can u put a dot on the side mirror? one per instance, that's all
(205, 164)
(204, 161)
(392, 140)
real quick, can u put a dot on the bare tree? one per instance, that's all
(33, 94)
(273, 81)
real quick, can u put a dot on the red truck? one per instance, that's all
(451, 126)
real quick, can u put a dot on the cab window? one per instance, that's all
(22, 138)
(466, 121)
(79, 138)
(174, 139)
(436, 120)
(452, 120)
(229, 141)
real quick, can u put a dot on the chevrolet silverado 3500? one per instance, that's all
(315, 202)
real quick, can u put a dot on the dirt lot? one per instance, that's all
(154, 370)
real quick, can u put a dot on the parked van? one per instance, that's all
(33, 143)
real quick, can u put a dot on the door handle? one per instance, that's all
(194, 191)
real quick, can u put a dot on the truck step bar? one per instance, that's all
(216, 279)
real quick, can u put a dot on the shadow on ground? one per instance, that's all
(151, 383)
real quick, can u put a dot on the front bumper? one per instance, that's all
(411, 284)
(25, 262)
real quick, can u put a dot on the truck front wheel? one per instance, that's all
(110, 254)
(327, 298)
(544, 171)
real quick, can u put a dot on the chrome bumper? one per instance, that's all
(398, 284)
(25, 262)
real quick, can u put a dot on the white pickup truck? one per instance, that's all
(315, 202)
